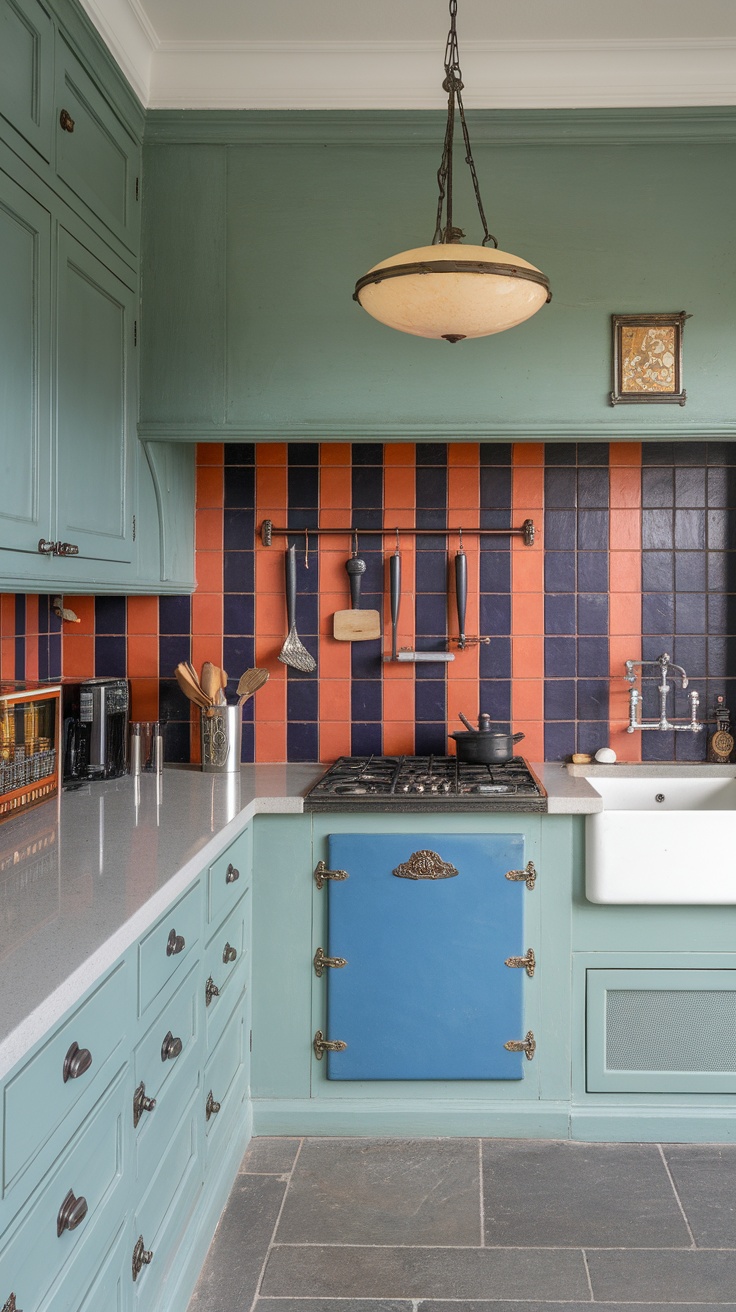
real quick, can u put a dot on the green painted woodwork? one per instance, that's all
(618, 219)
(165, 516)
(26, 71)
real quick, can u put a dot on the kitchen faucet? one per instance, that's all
(692, 725)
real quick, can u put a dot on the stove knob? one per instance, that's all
(419, 788)
(434, 788)
(445, 786)
(406, 788)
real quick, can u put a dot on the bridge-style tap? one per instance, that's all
(692, 725)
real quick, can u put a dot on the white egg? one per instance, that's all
(605, 756)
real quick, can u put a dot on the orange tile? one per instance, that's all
(532, 746)
(270, 453)
(398, 738)
(78, 656)
(209, 486)
(624, 613)
(398, 700)
(270, 613)
(7, 614)
(142, 657)
(625, 488)
(528, 489)
(32, 616)
(269, 570)
(624, 453)
(334, 453)
(84, 609)
(208, 530)
(268, 646)
(463, 453)
(527, 613)
(334, 699)
(334, 741)
(625, 530)
(527, 655)
(210, 453)
(144, 699)
(394, 518)
(335, 492)
(32, 657)
(462, 695)
(142, 615)
(399, 491)
(270, 740)
(399, 453)
(207, 613)
(205, 647)
(271, 699)
(334, 660)
(527, 453)
(527, 570)
(209, 572)
(463, 489)
(271, 490)
(624, 571)
(7, 658)
(527, 699)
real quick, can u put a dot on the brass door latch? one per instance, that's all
(321, 961)
(210, 991)
(321, 873)
(211, 1107)
(141, 1257)
(528, 962)
(528, 1045)
(528, 875)
(141, 1103)
(322, 1045)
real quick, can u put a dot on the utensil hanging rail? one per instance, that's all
(268, 531)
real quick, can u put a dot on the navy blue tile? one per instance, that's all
(592, 612)
(495, 487)
(302, 453)
(559, 571)
(652, 647)
(174, 615)
(593, 453)
(54, 655)
(431, 484)
(690, 487)
(658, 612)
(657, 530)
(559, 740)
(366, 739)
(559, 699)
(560, 530)
(721, 568)
(592, 658)
(43, 658)
(431, 613)
(658, 453)
(176, 742)
(431, 453)
(658, 746)
(240, 487)
(690, 653)
(302, 699)
(307, 580)
(172, 704)
(560, 488)
(237, 617)
(490, 518)
(302, 742)
(495, 700)
(431, 739)
(366, 659)
(721, 487)
(560, 453)
(238, 654)
(559, 613)
(689, 530)
(436, 519)
(593, 487)
(593, 530)
(110, 656)
(44, 611)
(495, 659)
(658, 486)
(54, 621)
(657, 571)
(367, 488)
(721, 613)
(560, 657)
(721, 453)
(367, 453)
(301, 517)
(690, 571)
(366, 700)
(307, 613)
(303, 488)
(720, 656)
(721, 530)
(495, 453)
(691, 453)
(247, 745)
(110, 614)
(431, 571)
(495, 613)
(592, 735)
(592, 697)
(495, 571)
(20, 613)
(171, 651)
(238, 530)
(691, 746)
(240, 453)
(238, 571)
(430, 700)
(593, 571)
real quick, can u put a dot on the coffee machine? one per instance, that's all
(96, 714)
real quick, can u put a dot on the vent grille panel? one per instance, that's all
(670, 1030)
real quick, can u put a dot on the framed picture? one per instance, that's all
(647, 359)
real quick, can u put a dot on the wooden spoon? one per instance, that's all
(190, 687)
(250, 682)
(210, 681)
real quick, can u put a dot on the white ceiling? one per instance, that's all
(381, 54)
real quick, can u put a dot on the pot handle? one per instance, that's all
(517, 737)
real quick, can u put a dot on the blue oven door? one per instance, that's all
(425, 922)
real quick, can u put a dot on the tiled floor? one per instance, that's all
(429, 1225)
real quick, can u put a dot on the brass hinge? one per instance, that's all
(527, 962)
(135, 332)
(137, 189)
(134, 528)
(321, 873)
(528, 1045)
(322, 1045)
(320, 961)
(528, 874)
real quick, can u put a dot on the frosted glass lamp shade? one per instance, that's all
(452, 291)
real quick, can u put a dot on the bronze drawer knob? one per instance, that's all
(66, 122)
(171, 1047)
(175, 944)
(212, 1107)
(141, 1103)
(141, 1257)
(71, 1213)
(77, 1061)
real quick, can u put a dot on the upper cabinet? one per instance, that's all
(27, 72)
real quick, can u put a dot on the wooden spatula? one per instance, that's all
(355, 625)
(250, 682)
(190, 687)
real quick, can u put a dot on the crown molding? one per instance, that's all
(631, 429)
(130, 37)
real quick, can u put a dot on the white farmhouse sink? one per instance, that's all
(678, 849)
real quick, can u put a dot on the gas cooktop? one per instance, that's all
(426, 783)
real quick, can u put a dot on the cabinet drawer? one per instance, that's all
(38, 1098)
(166, 947)
(91, 1167)
(222, 1072)
(27, 71)
(103, 1291)
(226, 971)
(172, 1083)
(98, 158)
(228, 878)
(163, 1211)
(179, 1020)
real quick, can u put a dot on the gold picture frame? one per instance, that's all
(647, 359)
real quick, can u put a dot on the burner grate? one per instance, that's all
(419, 783)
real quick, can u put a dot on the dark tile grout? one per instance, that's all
(666, 1165)
(287, 1175)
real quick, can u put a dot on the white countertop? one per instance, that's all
(82, 878)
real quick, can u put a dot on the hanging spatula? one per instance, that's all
(355, 625)
(293, 652)
(250, 682)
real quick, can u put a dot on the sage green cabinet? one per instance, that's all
(26, 71)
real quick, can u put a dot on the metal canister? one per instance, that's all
(221, 734)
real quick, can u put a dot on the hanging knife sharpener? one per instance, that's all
(461, 598)
(406, 654)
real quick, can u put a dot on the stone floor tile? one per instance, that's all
(662, 1276)
(436, 1305)
(270, 1156)
(333, 1305)
(384, 1191)
(537, 1193)
(705, 1179)
(319, 1271)
(229, 1277)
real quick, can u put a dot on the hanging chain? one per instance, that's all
(453, 85)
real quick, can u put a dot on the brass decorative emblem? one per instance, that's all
(528, 875)
(527, 1045)
(527, 962)
(425, 865)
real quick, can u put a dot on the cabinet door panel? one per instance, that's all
(425, 993)
(26, 71)
(25, 278)
(95, 406)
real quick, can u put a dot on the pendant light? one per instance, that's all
(448, 290)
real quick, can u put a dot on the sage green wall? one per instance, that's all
(256, 227)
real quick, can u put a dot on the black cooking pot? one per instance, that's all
(482, 747)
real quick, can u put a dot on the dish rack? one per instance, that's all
(29, 745)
